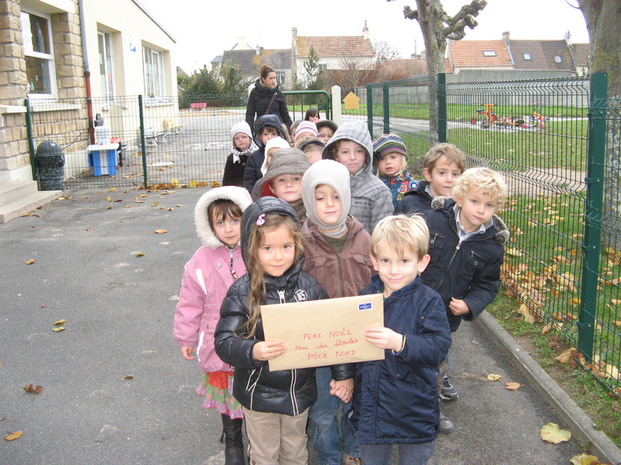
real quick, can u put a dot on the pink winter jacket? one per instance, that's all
(206, 279)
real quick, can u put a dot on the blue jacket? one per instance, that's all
(468, 271)
(396, 399)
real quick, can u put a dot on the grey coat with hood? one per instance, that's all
(371, 199)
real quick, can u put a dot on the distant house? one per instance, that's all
(249, 61)
(517, 59)
(332, 51)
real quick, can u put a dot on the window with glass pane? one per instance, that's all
(105, 65)
(38, 53)
(153, 72)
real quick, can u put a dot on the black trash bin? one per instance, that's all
(50, 162)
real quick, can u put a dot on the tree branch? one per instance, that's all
(465, 17)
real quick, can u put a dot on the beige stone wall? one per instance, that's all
(64, 121)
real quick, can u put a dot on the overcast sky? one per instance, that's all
(206, 28)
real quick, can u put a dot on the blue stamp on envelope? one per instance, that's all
(365, 306)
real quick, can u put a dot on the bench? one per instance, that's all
(202, 106)
(152, 137)
(173, 128)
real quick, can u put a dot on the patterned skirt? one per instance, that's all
(217, 388)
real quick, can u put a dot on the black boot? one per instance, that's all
(232, 437)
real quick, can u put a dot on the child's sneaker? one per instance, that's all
(446, 425)
(448, 391)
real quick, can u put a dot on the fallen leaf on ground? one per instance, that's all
(139, 254)
(58, 329)
(112, 189)
(13, 436)
(31, 388)
(565, 356)
(513, 386)
(160, 231)
(552, 433)
(109, 207)
(525, 312)
(514, 252)
(129, 377)
(60, 322)
(584, 459)
(493, 377)
(154, 204)
(31, 261)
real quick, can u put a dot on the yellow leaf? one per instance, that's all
(108, 207)
(31, 261)
(525, 312)
(113, 189)
(154, 204)
(13, 436)
(60, 322)
(584, 459)
(493, 377)
(58, 329)
(552, 433)
(546, 329)
(615, 301)
(193, 184)
(513, 386)
(215, 184)
(142, 196)
(108, 199)
(129, 377)
(169, 209)
(160, 231)
(514, 252)
(565, 356)
(139, 254)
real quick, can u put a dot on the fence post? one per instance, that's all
(337, 112)
(143, 142)
(442, 110)
(370, 109)
(31, 148)
(593, 212)
(386, 108)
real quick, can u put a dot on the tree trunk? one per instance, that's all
(437, 27)
(602, 19)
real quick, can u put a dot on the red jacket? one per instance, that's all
(343, 275)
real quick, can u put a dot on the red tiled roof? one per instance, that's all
(343, 46)
(469, 54)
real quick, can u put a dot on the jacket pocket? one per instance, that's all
(206, 352)
(472, 264)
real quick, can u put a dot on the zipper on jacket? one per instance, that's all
(450, 263)
(281, 297)
(232, 269)
(294, 399)
(338, 257)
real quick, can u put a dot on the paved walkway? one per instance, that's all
(118, 308)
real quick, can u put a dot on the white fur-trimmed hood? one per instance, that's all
(239, 195)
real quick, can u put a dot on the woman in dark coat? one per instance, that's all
(265, 91)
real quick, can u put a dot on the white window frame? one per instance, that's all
(281, 78)
(527, 56)
(108, 91)
(49, 57)
(154, 88)
(489, 53)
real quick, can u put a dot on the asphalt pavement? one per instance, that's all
(115, 389)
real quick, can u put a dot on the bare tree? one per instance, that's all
(384, 51)
(437, 26)
(352, 73)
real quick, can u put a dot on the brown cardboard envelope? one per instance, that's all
(324, 332)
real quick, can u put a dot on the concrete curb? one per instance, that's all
(578, 421)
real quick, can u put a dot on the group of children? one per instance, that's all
(329, 227)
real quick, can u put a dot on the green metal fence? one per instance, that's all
(558, 146)
(164, 142)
